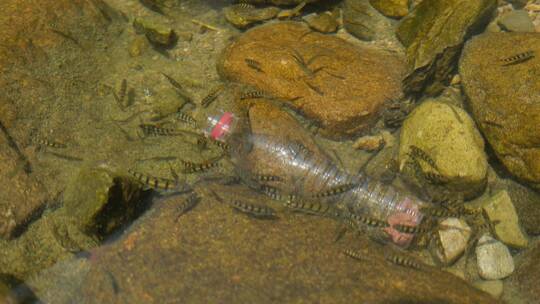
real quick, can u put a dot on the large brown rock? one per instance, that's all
(504, 99)
(341, 87)
(214, 254)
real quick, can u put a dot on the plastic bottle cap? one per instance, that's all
(222, 126)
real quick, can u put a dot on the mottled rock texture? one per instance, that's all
(527, 275)
(504, 99)
(391, 8)
(434, 34)
(334, 84)
(215, 254)
(45, 52)
(449, 136)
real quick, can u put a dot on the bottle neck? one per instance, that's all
(220, 126)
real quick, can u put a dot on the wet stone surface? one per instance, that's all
(340, 87)
(391, 8)
(527, 275)
(503, 99)
(434, 34)
(500, 210)
(208, 255)
(516, 21)
(447, 134)
(494, 259)
(29, 79)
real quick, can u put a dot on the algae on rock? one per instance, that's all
(434, 34)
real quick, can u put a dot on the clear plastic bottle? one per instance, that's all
(364, 197)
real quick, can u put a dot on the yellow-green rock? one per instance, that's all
(156, 33)
(502, 214)
(449, 136)
(434, 34)
(391, 8)
(137, 46)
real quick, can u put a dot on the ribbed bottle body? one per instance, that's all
(288, 170)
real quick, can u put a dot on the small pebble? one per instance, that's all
(454, 235)
(516, 21)
(493, 287)
(156, 33)
(494, 259)
(455, 80)
(137, 46)
(500, 211)
(369, 143)
(324, 23)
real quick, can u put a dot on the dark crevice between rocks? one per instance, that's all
(121, 209)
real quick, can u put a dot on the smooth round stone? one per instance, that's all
(516, 21)
(493, 258)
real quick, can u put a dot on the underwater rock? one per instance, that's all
(137, 46)
(334, 84)
(325, 22)
(100, 201)
(391, 8)
(369, 143)
(494, 259)
(449, 137)
(278, 2)
(209, 253)
(502, 213)
(156, 5)
(518, 3)
(156, 33)
(384, 166)
(526, 202)
(243, 16)
(432, 55)
(493, 287)
(22, 197)
(51, 238)
(526, 276)
(28, 60)
(358, 19)
(454, 236)
(95, 204)
(503, 99)
(8, 113)
(516, 21)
